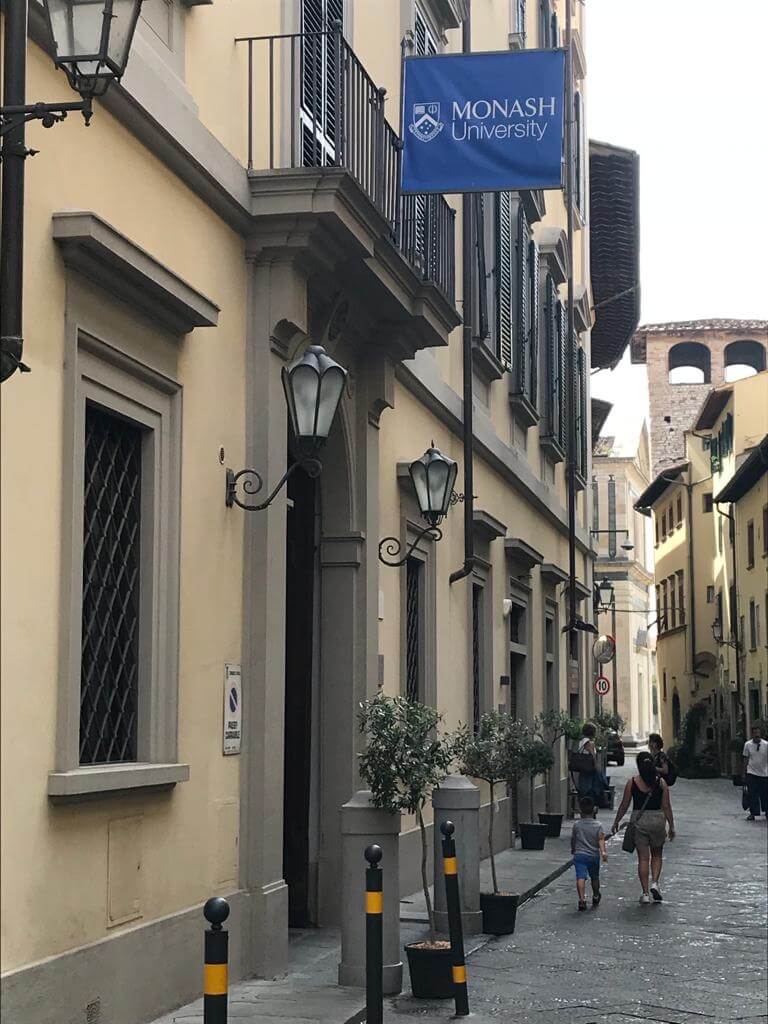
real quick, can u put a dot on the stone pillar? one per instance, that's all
(458, 800)
(361, 825)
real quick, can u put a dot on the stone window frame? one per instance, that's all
(520, 593)
(551, 613)
(481, 577)
(123, 386)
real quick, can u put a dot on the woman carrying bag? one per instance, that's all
(583, 763)
(647, 828)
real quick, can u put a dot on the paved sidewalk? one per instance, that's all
(309, 992)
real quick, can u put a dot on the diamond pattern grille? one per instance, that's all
(111, 526)
(412, 616)
(477, 596)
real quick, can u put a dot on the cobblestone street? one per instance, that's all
(699, 956)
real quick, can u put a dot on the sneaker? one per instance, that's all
(582, 904)
(656, 891)
(596, 899)
(645, 898)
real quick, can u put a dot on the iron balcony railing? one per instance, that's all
(311, 103)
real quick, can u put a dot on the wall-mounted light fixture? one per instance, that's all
(604, 595)
(626, 544)
(720, 640)
(313, 387)
(433, 477)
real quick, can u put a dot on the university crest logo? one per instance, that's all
(425, 122)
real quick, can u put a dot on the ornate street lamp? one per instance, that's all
(91, 39)
(313, 388)
(433, 477)
(604, 594)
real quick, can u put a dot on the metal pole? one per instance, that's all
(455, 928)
(570, 346)
(466, 287)
(216, 970)
(374, 939)
(14, 154)
(615, 652)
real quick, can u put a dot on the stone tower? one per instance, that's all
(685, 360)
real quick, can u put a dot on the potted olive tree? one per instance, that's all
(490, 754)
(405, 759)
(550, 727)
(535, 757)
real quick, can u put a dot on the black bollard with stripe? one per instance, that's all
(455, 928)
(374, 937)
(216, 981)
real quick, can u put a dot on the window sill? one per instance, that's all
(114, 778)
(523, 410)
(552, 448)
(486, 363)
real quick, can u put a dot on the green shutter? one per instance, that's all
(563, 363)
(533, 259)
(552, 359)
(523, 324)
(581, 412)
(504, 277)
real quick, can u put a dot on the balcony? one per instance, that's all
(315, 116)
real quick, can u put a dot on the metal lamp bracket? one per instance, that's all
(253, 482)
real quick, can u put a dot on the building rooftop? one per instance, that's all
(680, 328)
(752, 469)
(658, 486)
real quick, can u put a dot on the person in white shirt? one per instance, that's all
(756, 773)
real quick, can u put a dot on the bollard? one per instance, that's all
(215, 981)
(453, 904)
(374, 937)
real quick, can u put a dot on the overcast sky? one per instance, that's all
(685, 84)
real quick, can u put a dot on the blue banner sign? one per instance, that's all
(483, 122)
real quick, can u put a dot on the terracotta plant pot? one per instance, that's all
(532, 836)
(430, 970)
(499, 912)
(554, 823)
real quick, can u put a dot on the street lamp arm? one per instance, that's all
(253, 482)
(392, 546)
(15, 115)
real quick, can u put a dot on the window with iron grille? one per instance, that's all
(477, 659)
(413, 629)
(319, 81)
(111, 584)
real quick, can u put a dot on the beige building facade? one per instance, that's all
(620, 474)
(180, 252)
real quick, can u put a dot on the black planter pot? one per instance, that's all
(532, 836)
(430, 970)
(554, 823)
(499, 912)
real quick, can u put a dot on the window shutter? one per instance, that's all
(551, 341)
(562, 363)
(533, 259)
(481, 318)
(581, 412)
(553, 32)
(504, 276)
(522, 340)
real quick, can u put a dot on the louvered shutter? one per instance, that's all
(504, 277)
(562, 364)
(334, 12)
(533, 260)
(481, 319)
(320, 105)
(523, 325)
(581, 411)
(553, 363)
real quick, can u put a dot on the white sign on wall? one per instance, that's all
(233, 710)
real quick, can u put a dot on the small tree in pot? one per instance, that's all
(490, 754)
(405, 759)
(550, 727)
(535, 757)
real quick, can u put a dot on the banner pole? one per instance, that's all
(466, 299)
(570, 341)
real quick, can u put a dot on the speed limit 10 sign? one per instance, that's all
(602, 686)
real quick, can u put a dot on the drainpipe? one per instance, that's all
(691, 581)
(570, 342)
(466, 286)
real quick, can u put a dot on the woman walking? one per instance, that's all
(652, 819)
(588, 784)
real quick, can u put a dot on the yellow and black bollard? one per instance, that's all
(456, 931)
(216, 982)
(374, 938)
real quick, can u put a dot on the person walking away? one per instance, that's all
(664, 766)
(756, 773)
(588, 849)
(588, 782)
(652, 819)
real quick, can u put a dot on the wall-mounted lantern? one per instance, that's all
(720, 640)
(433, 477)
(313, 388)
(604, 595)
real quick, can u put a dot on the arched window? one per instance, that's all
(689, 363)
(743, 359)
(676, 720)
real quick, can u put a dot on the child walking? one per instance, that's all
(588, 849)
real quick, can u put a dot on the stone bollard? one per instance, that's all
(361, 825)
(458, 800)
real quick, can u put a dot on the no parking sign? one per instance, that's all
(602, 686)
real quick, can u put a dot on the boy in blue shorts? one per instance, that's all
(588, 849)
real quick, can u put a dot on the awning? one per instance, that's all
(614, 238)
(600, 410)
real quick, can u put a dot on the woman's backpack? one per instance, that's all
(580, 761)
